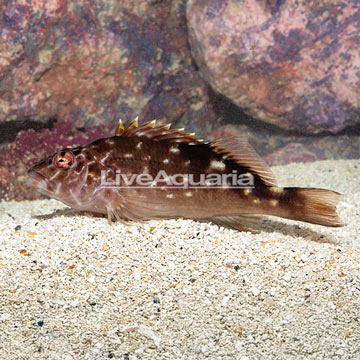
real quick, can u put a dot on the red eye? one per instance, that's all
(64, 159)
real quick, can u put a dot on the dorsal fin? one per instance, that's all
(161, 132)
(240, 151)
(232, 148)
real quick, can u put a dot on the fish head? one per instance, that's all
(69, 175)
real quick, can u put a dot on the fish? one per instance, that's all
(151, 171)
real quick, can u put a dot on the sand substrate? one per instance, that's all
(73, 287)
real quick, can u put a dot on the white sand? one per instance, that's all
(181, 289)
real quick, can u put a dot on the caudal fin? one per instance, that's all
(317, 206)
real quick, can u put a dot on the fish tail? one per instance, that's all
(316, 206)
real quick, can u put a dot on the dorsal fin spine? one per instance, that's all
(121, 126)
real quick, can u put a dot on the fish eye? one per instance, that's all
(64, 159)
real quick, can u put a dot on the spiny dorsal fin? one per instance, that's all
(161, 132)
(240, 151)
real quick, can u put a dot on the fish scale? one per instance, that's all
(96, 178)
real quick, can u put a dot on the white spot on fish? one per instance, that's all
(247, 191)
(187, 163)
(188, 194)
(174, 150)
(128, 156)
(139, 145)
(166, 161)
(256, 201)
(276, 189)
(170, 196)
(110, 142)
(218, 165)
(273, 202)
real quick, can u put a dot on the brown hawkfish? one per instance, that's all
(152, 172)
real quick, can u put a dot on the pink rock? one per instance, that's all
(295, 64)
(293, 152)
(97, 62)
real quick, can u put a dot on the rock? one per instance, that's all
(95, 63)
(291, 64)
(279, 147)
